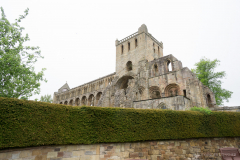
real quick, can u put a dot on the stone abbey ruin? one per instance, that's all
(144, 78)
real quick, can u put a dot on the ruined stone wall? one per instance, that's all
(173, 103)
(86, 94)
(142, 73)
(189, 149)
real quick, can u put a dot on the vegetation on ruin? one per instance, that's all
(201, 109)
(17, 77)
(29, 123)
(205, 71)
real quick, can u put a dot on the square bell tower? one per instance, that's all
(137, 47)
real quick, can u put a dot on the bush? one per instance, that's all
(201, 109)
(29, 123)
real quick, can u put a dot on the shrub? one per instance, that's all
(29, 123)
(201, 109)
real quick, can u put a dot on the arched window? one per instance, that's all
(71, 102)
(209, 101)
(77, 101)
(84, 100)
(99, 95)
(153, 44)
(169, 66)
(155, 69)
(91, 100)
(128, 46)
(136, 43)
(129, 66)
(154, 92)
(122, 49)
(162, 106)
(172, 90)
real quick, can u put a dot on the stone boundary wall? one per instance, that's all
(227, 109)
(189, 149)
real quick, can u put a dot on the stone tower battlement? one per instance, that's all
(144, 78)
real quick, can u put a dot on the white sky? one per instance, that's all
(77, 37)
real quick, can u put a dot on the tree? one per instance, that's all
(206, 74)
(46, 98)
(17, 76)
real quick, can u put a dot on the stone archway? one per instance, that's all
(172, 90)
(84, 101)
(98, 96)
(162, 106)
(122, 83)
(91, 100)
(209, 101)
(77, 101)
(71, 102)
(66, 102)
(154, 92)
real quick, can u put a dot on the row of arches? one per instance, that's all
(170, 90)
(91, 100)
(101, 84)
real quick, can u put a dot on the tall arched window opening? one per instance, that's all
(129, 66)
(155, 69)
(122, 49)
(128, 46)
(169, 66)
(136, 43)
(209, 101)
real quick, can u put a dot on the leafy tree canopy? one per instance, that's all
(46, 98)
(17, 76)
(206, 74)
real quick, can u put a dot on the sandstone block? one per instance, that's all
(133, 155)
(153, 152)
(125, 154)
(89, 157)
(36, 152)
(178, 151)
(3, 155)
(77, 153)
(155, 157)
(52, 155)
(24, 154)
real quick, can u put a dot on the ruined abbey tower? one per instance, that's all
(144, 78)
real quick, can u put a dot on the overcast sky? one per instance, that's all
(77, 37)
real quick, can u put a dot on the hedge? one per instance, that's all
(28, 123)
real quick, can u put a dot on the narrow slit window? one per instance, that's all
(122, 49)
(128, 46)
(136, 43)
(184, 93)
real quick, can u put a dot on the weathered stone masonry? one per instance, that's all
(144, 78)
(190, 149)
